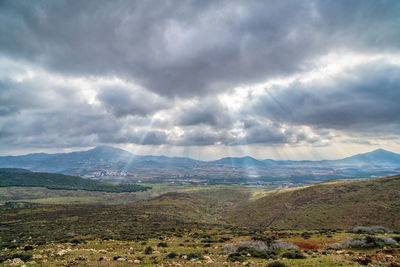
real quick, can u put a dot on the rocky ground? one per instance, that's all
(214, 247)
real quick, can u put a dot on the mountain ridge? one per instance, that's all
(110, 149)
(111, 161)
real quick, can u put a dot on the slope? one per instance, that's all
(335, 204)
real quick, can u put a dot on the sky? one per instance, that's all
(203, 79)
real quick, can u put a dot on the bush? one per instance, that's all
(28, 247)
(293, 255)
(224, 239)
(276, 264)
(172, 255)
(306, 235)
(263, 254)
(236, 256)
(367, 242)
(259, 245)
(77, 241)
(266, 238)
(372, 229)
(162, 245)
(148, 250)
(194, 255)
(22, 256)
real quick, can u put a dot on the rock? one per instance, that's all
(373, 229)
(364, 260)
(80, 258)
(37, 256)
(136, 261)
(62, 252)
(71, 234)
(16, 262)
(121, 259)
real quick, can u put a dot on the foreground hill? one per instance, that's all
(20, 177)
(336, 204)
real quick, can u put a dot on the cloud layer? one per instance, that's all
(190, 73)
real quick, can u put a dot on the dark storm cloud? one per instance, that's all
(189, 47)
(125, 101)
(206, 111)
(15, 97)
(174, 58)
(366, 98)
(204, 136)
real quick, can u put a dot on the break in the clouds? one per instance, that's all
(204, 74)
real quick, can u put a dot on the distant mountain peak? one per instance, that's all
(381, 150)
(377, 156)
(108, 149)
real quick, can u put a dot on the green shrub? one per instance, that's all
(77, 241)
(276, 264)
(236, 256)
(293, 255)
(148, 250)
(224, 239)
(194, 255)
(162, 245)
(306, 235)
(263, 254)
(172, 255)
(28, 247)
(22, 256)
(266, 238)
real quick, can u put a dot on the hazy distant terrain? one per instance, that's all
(116, 165)
(21, 177)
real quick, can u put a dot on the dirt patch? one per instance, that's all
(308, 244)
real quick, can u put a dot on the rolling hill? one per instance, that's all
(20, 177)
(376, 157)
(334, 204)
(243, 161)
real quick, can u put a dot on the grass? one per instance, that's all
(325, 205)
(92, 251)
(196, 220)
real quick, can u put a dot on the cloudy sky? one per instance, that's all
(205, 79)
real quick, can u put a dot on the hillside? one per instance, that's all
(336, 204)
(376, 157)
(20, 177)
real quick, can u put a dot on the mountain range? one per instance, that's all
(107, 161)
